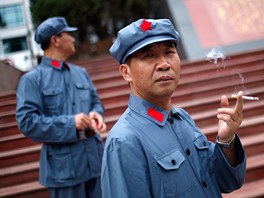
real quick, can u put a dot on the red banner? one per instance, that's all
(226, 22)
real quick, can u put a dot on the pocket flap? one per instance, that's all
(52, 92)
(82, 85)
(201, 142)
(171, 160)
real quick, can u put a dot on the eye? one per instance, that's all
(170, 51)
(148, 55)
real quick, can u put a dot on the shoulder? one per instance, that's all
(189, 120)
(32, 74)
(182, 112)
(184, 115)
(81, 72)
(77, 68)
(124, 129)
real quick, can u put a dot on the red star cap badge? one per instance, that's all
(145, 25)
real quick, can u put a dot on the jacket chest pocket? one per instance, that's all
(174, 173)
(83, 91)
(202, 147)
(53, 99)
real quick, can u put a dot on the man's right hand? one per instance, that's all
(82, 121)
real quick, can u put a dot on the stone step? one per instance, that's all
(9, 128)
(20, 156)
(7, 116)
(253, 144)
(15, 141)
(253, 189)
(7, 95)
(8, 105)
(255, 167)
(19, 174)
(25, 190)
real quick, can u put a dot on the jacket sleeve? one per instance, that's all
(97, 105)
(32, 121)
(230, 178)
(124, 170)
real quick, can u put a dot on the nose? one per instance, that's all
(163, 64)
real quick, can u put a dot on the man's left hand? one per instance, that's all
(98, 122)
(229, 119)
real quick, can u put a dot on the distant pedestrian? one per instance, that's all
(58, 105)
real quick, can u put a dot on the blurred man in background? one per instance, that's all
(58, 105)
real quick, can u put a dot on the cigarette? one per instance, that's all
(246, 97)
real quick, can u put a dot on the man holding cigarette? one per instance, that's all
(58, 105)
(156, 150)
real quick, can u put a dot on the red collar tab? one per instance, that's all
(155, 114)
(145, 25)
(56, 64)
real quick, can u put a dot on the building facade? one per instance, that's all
(16, 34)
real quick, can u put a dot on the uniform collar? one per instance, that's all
(150, 111)
(58, 65)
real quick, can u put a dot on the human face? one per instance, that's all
(153, 72)
(66, 44)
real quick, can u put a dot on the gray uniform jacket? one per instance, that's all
(48, 97)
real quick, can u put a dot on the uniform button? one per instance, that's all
(173, 162)
(63, 120)
(188, 152)
(204, 143)
(204, 183)
(73, 103)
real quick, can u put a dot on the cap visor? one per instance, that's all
(70, 29)
(146, 42)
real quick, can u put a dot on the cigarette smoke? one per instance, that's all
(217, 57)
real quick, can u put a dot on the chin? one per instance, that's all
(165, 93)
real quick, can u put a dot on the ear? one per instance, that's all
(124, 69)
(54, 41)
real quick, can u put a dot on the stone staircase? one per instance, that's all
(201, 86)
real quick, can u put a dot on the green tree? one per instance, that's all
(79, 13)
(103, 17)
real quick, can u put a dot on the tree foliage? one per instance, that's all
(105, 18)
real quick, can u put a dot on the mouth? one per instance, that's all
(164, 79)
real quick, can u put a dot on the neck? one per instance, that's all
(162, 102)
(54, 54)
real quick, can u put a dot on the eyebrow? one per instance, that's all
(165, 43)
